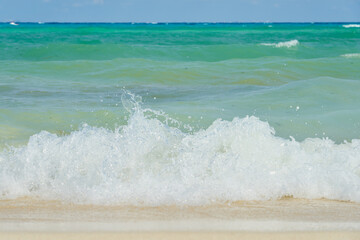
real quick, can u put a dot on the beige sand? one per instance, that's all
(184, 235)
(282, 219)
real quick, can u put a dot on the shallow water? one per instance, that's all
(130, 113)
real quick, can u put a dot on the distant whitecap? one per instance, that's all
(288, 44)
(351, 26)
(351, 55)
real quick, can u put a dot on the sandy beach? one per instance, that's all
(184, 235)
(283, 219)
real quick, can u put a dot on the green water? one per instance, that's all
(55, 77)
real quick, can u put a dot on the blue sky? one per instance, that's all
(180, 10)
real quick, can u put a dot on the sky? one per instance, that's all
(180, 10)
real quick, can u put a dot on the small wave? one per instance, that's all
(351, 55)
(288, 44)
(351, 26)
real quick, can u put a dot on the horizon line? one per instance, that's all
(179, 22)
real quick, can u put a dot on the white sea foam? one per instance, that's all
(351, 55)
(148, 162)
(351, 26)
(288, 44)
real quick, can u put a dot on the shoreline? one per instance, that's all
(288, 214)
(287, 218)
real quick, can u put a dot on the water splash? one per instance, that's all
(149, 162)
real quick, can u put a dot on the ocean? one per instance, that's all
(179, 113)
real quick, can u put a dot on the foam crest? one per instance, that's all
(351, 26)
(351, 55)
(149, 162)
(288, 44)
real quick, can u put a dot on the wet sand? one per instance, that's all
(282, 219)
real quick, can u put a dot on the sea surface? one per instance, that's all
(179, 113)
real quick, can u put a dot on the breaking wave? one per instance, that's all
(351, 55)
(288, 44)
(351, 26)
(148, 162)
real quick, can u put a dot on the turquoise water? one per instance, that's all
(300, 82)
